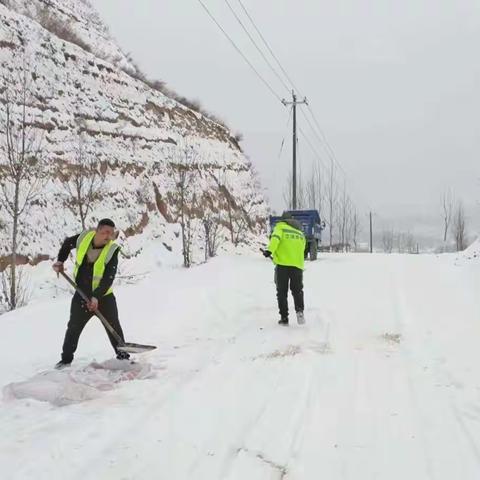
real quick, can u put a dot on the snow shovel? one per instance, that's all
(122, 346)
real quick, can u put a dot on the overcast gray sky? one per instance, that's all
(394, 85)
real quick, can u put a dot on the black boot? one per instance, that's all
(283, 321)
(62, 364)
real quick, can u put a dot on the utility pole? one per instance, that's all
(371, 234)
(294, 104)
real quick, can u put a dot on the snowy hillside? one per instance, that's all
(84, 86)
(382, 382)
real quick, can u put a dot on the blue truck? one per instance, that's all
(312, 227)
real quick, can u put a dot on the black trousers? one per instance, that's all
(285, 276)
(80, 315)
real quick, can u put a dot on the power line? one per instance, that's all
(275, 170)
(267, 45)
(256, 45)
(331, 154)
(322, 137)
(309, 143)
(328, 168)
(284, 136)
(312, 127)
(277, 61)
(316, 129)
(240, 52)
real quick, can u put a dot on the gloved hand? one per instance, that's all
(267, 253)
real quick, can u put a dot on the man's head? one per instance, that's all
(286, 216)
(105, 231)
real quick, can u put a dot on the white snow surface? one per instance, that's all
(382, 382)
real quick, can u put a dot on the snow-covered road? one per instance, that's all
(382, 383)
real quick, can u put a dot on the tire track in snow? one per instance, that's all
(263, 425)
(146, 416)
(228, 463)
(444, 402)
(399, 316)
(257, 450)
(228, 345)
(466, 431)
(253, 428)
(225, 351)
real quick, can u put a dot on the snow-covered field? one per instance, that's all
(382, 383)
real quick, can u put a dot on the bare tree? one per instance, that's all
(400, 241)
(83, 185)
(331, 202)
(239, 213)
(459, 227)
(239, 210)
(302, 199)
(356, 228)
(388, 237)
(315, 189)
(22, 292)
(344, 213)
(410, 243)
(21, 177)
(211, 229)
(185, 171)
(448, 203)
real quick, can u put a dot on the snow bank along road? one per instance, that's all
(382, 383)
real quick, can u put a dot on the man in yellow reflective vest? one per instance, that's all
(95, 269)
(287, 250)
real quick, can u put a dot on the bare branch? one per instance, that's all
(448, 203)
(185, 172)
(21, 176)
(84, 182)
(388, 237)
(459, 227)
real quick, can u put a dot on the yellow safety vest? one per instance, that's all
(83, 243)
(287, 245)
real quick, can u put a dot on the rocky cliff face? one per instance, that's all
(85, 91)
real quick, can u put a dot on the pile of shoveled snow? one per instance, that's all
(68, 386)
(471, 253)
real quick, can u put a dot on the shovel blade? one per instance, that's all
(135, 348)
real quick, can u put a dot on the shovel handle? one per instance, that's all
(99, 314)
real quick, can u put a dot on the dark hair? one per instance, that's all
(106, 222)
